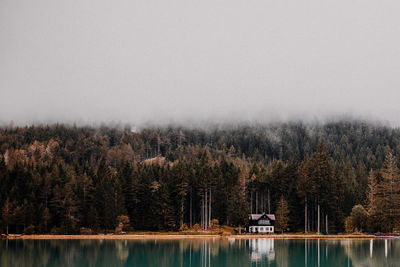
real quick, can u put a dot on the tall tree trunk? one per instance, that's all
(321, 224)
(251, 202)
(318, 231)
(264, 209)
(256, 202)
(326, 223)
(305, 215)
(84, 191)
(312, 218)
(209, 210)
(269, 204)
(181, 212)
(206, 212)
(190, 209)
(202, 213)
(264, 203)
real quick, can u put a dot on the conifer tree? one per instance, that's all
(371, 193)
(391, 195)
(72, 177)
(304, 190)
(282, 215)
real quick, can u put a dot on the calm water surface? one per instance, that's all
(200, 253)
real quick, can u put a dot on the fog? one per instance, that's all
(183, 61)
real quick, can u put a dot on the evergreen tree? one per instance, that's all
(391, 191)
(282, 215)
(63, 178)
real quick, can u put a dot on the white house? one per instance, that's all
(261, 223)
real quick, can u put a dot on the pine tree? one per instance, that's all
(105, 196)
(282, 215)
(179, 189)
(391, 186)
(294, 202)
(303, 191)
(319, 174)
(371, 193)
(372, 203)
(89, 176)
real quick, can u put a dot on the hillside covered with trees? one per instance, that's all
(59, 178)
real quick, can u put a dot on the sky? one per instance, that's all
(134, 61)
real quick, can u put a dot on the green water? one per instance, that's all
(200, 253)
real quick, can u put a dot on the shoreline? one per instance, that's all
(183, 236)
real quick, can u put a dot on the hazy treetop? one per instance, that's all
(133, 61)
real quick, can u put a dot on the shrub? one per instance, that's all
(30, 230)
(358, 217)
(123, 219)
(183, 228)
(356, 222)
(196, 227)
(348, 225)
(123, 224)
(85, 231)
(56, 231)
(214, 224)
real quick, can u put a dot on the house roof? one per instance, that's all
(256, 217)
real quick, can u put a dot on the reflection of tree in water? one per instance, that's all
(378, 252)
(62, 253)
(122, 250)
(10, 253)
(197, 252)
(323, 252)
(309, 253)
(200, 252)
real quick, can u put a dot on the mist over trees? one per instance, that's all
(60, 178)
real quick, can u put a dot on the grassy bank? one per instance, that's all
(178, 235)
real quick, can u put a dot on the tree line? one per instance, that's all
(60, 178)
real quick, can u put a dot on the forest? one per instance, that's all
(62, 178)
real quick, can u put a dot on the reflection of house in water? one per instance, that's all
(261, 249)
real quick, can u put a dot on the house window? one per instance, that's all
(263, 222)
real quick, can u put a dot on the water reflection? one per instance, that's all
(262, 249)
(200, 252)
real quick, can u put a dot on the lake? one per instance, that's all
(201, 252)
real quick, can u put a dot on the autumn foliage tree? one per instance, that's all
(60, 178)
(282, 215)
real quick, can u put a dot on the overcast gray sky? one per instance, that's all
(140, 60)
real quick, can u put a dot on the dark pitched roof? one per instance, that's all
(256, 217)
